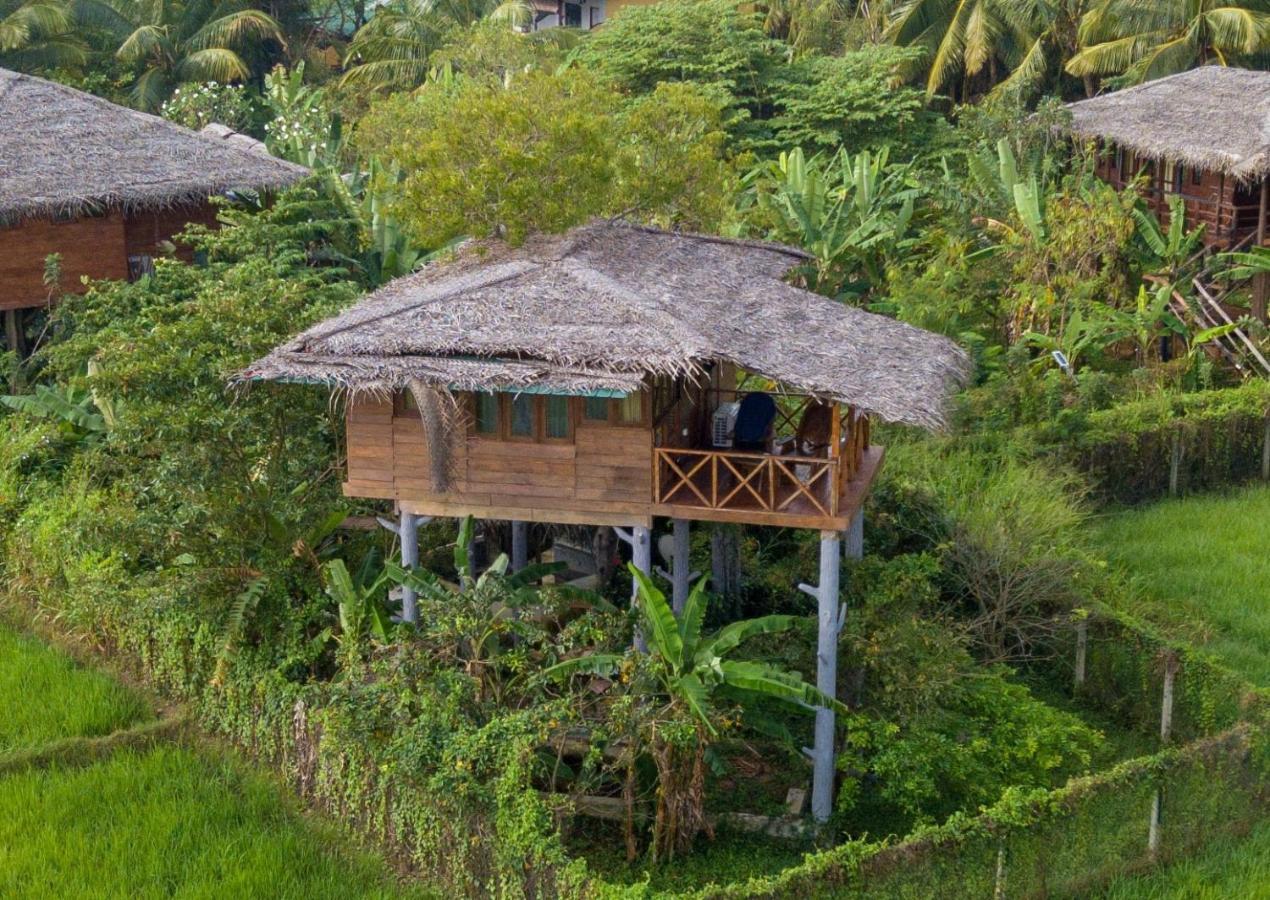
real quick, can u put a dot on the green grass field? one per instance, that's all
(170, 822)
(1204, 567)
(45, 696)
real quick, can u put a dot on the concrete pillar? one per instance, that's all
(408, 531)
(829, 617)
(680, 565)
(642, 557)
(520, 545)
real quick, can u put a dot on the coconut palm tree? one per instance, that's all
(39, 34)
(1145, 39)
(963, 38)
(391, 51)
(172, 42)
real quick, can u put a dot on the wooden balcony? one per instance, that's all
(761, 488)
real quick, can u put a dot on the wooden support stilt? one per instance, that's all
(520, 545)
(725, 565)
(853, 547)
(1260, 284)
(12, 336)
(830, 616)
(1166, 734)
(680, 565)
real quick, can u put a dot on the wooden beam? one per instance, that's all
(1261, 284)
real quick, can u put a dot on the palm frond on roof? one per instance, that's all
(610, 304)
(64, 152)
(1213, 118)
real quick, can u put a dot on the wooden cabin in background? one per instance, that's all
(1198, 135)
(616, 375)
(103, 186)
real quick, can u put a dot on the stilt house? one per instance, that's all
(103, 186)
(1198, 135)
(617, 374)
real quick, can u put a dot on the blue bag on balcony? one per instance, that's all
(754, 422)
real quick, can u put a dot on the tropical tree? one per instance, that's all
(39, 34)
(393, 49)
(850, 212)
(173, 42)
(682, 685)
(1145, 39)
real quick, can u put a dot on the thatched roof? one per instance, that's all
(1213, 118)
(63, 151)
(609, 304)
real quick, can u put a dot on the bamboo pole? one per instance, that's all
(1261, 285)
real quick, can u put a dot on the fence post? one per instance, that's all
(998, 889)
(1082, 648)
(1166, 731)
(1265, 452)
(1175, 462)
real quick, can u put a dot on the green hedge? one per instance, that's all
(1127, 451)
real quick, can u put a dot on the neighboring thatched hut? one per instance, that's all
(1200, 135)
(618, 373)
(102, 185)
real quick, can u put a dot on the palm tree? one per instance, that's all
(173, 42)
(962, 37)
(391, 51)
(683, 679)
(39, 34)
(1145, 39)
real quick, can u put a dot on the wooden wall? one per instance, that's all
(98, 247)
(91, 246)
(146, 232)
(603, 478)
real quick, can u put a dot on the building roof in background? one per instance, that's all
(609, 304)
(63, 152)
(1213, 118)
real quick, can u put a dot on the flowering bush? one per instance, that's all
(198, 105)
(303, 129)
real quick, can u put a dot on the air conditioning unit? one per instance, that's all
(723, 424)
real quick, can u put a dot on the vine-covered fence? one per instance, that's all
(1209, 777)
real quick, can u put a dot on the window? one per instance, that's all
(573, 15)
(1179, 178)
(1120, 160)
(485, 414)
(1197, 175)
(629, 410)
(557, 423)
(520, 417)
(596, 409)
(597, 15)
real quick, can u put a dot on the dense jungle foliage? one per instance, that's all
(191, 522)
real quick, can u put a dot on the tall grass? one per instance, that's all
(44, 696)
(1227, 870)
(1203, 566)
(170, 823)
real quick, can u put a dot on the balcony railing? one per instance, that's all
(730, 480)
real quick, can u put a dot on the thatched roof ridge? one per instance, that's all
(1214, 118)
(609, 304)
(64, 152)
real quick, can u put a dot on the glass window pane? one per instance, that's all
(522, 416)
(486, 413)
(557, 417)
(596, 409)
(630, 409)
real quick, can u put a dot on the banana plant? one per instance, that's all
(1080, 336)
(73, 409)
(1150, 318)
(359, 602)
(679, 685)
(851, 213)
(367, 195)
(1008, 190)
(1167, 252)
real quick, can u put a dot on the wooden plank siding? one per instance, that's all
(604, 477)
(93, 246)
(1227, 211)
